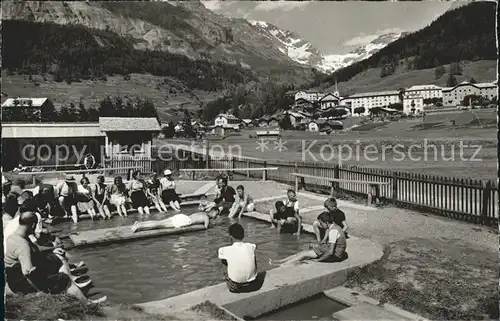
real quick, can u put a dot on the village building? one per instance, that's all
(227, 121)
(454, 96)
(39, 144)
(425, 91)
(329, 100)
(25, 109)
(371, 99)
(309, 95)
(413, 103)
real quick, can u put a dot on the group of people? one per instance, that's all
(227, 201)
(330, 229)
(34, 259)
(69, 199)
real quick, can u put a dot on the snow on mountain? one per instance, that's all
(332, 62)
(294, 46)
(303, 52)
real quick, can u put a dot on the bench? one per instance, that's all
(263, 169)
(373, 192)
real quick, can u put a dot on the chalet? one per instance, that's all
(128, 136)
(227, 119)
(247, 122)
(329, 100)
(34, 144)
(308, 95)
(25, 109)
(295, 118)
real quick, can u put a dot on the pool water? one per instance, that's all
(163, 267)
(318, 307)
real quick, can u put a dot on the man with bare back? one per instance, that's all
(178, 221)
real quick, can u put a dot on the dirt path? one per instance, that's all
(434, 267)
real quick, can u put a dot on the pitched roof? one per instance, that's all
(122, 124)
(24, 102)
(423, 87)
(373, 94)
(227, 116)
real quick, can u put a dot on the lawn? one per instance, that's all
(466, 151)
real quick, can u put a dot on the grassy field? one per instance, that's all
(467, 151)
(481, 71)
(166, 93)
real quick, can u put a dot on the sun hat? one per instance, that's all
(167, 172)
(70, 178)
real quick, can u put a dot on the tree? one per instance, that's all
(401, 94)
(455, 69)
(169, 131)
(452, 81)
(188, 127)
(285, 123)
(359, 110)
(439, 71)
(83, 114)
(473, 81)
(49, 113)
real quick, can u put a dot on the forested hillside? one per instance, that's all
(73, 53)
(466, 33)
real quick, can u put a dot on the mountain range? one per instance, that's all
(182, 54)
(303, 52)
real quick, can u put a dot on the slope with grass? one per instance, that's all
(369, 80)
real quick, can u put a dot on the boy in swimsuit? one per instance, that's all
(177, 221)
(285, 216)
(337, 216)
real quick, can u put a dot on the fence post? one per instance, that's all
(486, 198)
(248, 166)
(264, 172)
(232, 163)
(394, 187)
(296, 184)
(207, 154)
(336, 175)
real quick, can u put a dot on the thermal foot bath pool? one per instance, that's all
(162, 267)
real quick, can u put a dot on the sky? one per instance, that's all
(337, 27)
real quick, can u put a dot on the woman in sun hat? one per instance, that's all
(168, 194)
(67, 191)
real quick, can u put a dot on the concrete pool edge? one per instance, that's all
(282, 286)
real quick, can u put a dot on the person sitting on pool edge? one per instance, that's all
(177, 221)
(243, 203)
(332, 251)
(241, 262)
(285, 216)
(338, 217)
(225, 196)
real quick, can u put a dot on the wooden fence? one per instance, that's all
(464, 199)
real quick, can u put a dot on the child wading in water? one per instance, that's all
(153, 192)
(287, 213)
(168, 193)
(243, 203)
(332, 251)
(101, 198)
(118, 193)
